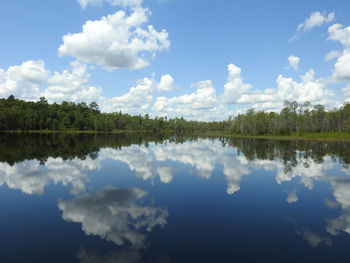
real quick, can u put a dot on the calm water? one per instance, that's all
(88, 198)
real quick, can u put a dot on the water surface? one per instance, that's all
(163, 198)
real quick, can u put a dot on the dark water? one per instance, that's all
(150, 198)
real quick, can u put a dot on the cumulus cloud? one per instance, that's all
(136, 101)
(166, 83)
(235, 86)
(116, 41)
(25, 79)
(71, 86)
(114, 214)
(132, 3)
(309, 89)
(338, 33)
(346, 92)
(202, 104)
(293, 62)
(341, 70)
(31, 80)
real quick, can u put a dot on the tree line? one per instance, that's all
(20, 115)
(294, 118)
(16, 114)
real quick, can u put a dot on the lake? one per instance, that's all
(166, 198)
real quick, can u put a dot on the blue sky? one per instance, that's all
(201, 60)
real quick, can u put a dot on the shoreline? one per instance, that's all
(330, 137)
(325, 136)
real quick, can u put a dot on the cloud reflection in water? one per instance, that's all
(160, 160)
(114, 214)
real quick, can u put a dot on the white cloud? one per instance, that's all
(132, 3)
(338, 33)
(136, 101)
(234, 87)
(346, 92)
(342, 67)
(316, 19)
(116, 41)
(202, 104)
(71, 86)
(166, 83)
(341, 70)
(24, 80)
(332, 55)
(114, 214)
(293, 62)
(31, 80)
(309, 89)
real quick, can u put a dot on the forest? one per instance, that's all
(294, 118)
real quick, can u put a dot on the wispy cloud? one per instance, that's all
(316, 19)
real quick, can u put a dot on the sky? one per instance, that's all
(201, 60)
